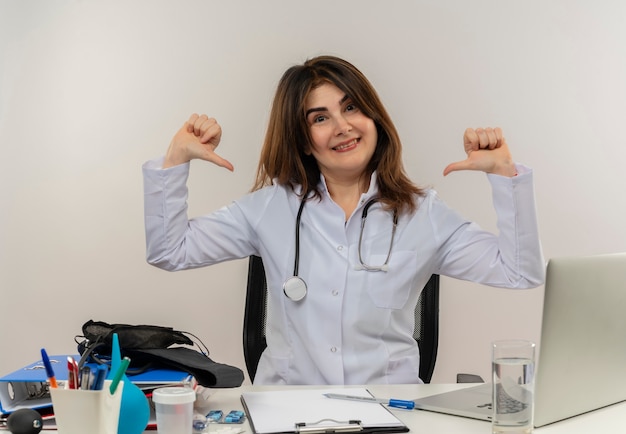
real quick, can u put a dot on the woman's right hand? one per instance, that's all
(197, 139)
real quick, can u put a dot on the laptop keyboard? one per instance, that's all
(508, 404)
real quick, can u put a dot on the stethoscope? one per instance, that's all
(295, 287)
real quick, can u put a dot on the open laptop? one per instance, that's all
(582, 358)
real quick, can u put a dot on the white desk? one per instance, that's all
(609, 419)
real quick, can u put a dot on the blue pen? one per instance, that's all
(49, 370)
(100, 376)
(397, 403)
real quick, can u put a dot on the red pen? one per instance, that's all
(72, 373)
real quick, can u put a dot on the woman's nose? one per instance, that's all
(343, 126)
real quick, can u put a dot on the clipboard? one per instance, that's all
(308, 411)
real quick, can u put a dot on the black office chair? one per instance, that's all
(426, 331)
(255, 314)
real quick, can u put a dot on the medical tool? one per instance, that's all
(295, 287)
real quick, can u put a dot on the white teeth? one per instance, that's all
(347, 145)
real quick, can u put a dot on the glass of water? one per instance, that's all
(513, 372)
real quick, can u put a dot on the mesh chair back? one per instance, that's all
(426, 331)
(255, 315)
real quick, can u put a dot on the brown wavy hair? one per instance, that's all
(283, 156)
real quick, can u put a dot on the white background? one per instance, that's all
(90, 90)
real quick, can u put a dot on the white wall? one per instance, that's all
(90, 90)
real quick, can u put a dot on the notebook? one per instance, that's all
(582, 357)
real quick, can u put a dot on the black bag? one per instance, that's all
(133, 336)
(150, 347)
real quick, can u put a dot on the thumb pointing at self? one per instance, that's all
(498, 161)
(459, 165)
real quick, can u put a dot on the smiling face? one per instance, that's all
(343, 138)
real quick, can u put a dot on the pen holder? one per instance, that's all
(87, 411)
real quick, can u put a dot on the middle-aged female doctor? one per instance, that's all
(341, 295)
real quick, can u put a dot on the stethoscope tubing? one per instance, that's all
(295, 287)
(296, 262)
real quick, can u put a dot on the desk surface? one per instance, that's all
(608, 419)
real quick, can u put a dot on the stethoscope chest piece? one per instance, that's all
(294, 288)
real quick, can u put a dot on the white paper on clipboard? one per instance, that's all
(280, 411)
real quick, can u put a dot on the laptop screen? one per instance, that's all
(582, 360)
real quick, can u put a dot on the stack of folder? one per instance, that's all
(28, 387)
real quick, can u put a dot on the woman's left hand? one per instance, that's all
(486, 151)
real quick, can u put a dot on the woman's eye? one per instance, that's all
(351, 107)
(318, 119)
